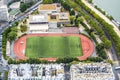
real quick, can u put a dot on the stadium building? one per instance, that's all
(92, 71)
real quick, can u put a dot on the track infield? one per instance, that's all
(86, 44)
(57, 46)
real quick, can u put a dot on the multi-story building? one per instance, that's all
(1, 2)
(92, 71)
(5, 2)
(4, 15)
(36, 72)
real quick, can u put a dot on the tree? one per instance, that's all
(99, 47)
(30, 3)
(110, 61)
(107, 44)
(14, 29)
(72, 19)
(23, 28)
(47, 1)
(12, 36)
(66, 6)
(90, 1)
(16, 23)
(66, 59)
(72, 12)
(56, 1)
(6, 75)
(95, 59)
(23, 7)
(80, 19)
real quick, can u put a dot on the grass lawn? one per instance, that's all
(45, 47)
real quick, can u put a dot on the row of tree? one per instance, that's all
(6, 75)
(24, 6)
(99, 31)
(9, 34)
(59, 60)
(107, 27)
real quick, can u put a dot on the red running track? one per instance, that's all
(87, 46)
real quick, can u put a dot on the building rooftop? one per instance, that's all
(36, 71)
(59, 17)
(15, 5)
(48, 7)
(3, 6)
(38, 18)
(92, 71)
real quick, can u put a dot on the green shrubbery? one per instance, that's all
(59, 60)
(4, 42)
(9, 34)
(24, 6)
(23, 28)
(6, 75)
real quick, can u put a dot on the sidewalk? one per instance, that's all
(102, 16)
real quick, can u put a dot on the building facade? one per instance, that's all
(92, 71)
(36, 72)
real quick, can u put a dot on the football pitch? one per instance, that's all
(53, 46)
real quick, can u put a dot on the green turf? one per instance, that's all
(45, 47)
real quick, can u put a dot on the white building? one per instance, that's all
(5, 2)
(92, 71)
(36, 72)
(37, 23)
(1, 2)
(4, 15)
(15, 5)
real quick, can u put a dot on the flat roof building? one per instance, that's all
(4, 15)
(37, 23)
(92, 71)
(61, 17)
(49, 8)
(36, 72)
(15, 5)
(6, 2)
